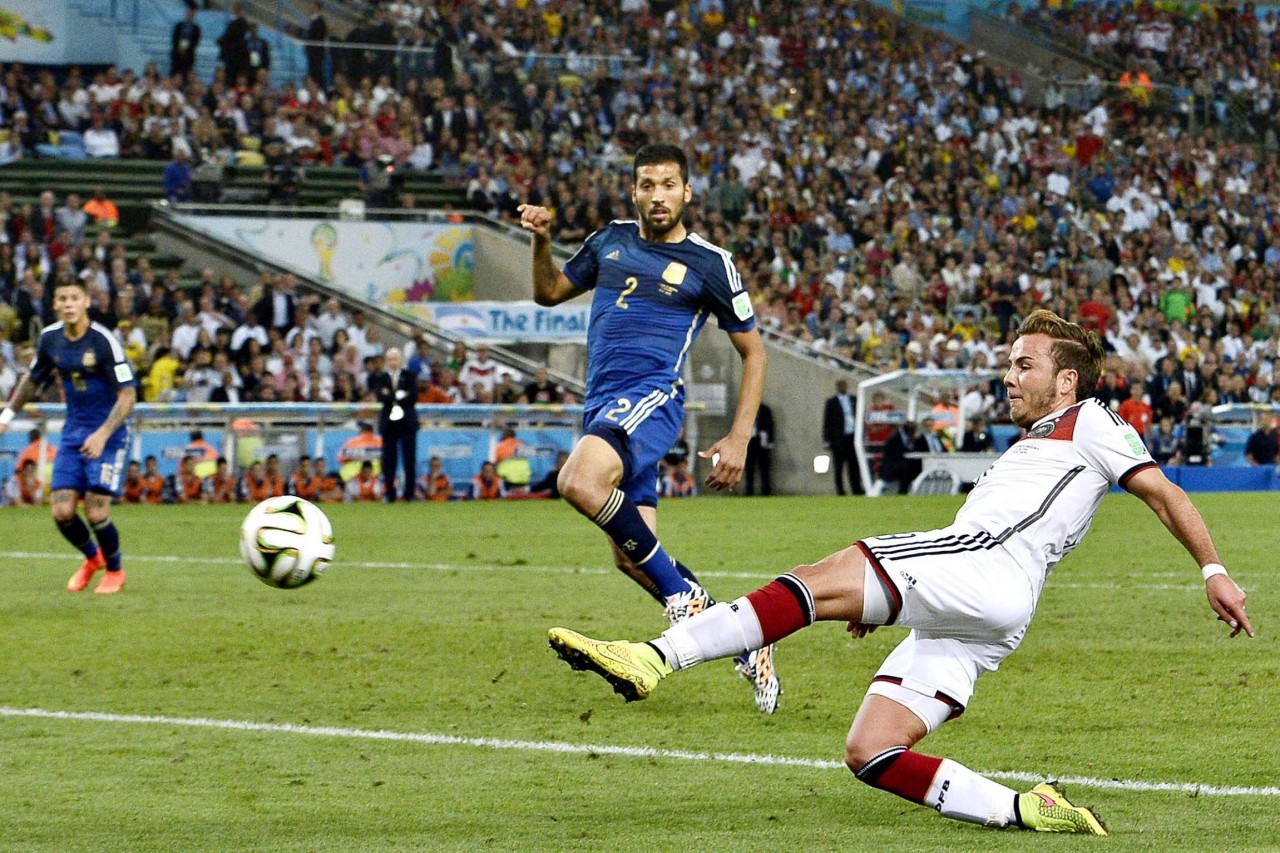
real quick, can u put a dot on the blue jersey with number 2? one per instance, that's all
(649, 302)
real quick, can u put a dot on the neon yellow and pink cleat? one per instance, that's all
(1046, 809)
(633, 669)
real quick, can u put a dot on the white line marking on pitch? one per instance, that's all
(521, 567)
(599, 749)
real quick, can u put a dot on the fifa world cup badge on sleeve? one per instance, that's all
(742, 306)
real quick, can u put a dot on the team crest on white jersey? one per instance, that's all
(1043, 431)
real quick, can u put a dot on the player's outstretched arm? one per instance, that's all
(1175, 510)
(25, 391)
(726, 470)
(550, 285)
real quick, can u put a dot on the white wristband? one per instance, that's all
(1212, 569)
(6, 416)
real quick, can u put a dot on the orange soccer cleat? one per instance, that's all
(85, 573)
(111, 582)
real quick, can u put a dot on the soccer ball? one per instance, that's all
(287, 541)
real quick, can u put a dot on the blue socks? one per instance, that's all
(620, 519)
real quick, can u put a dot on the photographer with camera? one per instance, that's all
(380, 180)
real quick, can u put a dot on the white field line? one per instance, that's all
(1190, 586)
(1196, 788)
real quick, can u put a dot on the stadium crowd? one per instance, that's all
(890, 197)
(1210, 59)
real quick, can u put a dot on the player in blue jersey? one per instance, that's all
(654, 284)
(99, 387)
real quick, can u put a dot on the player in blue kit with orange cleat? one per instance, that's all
(100, 391)
(654, 284)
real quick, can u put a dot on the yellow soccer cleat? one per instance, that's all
(1045, 809)
(634, 669)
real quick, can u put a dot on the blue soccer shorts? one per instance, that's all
(641, 426)
(104, 475)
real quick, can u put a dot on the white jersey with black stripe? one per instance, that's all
(1039, 498)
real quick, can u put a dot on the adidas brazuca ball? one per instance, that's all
(287, 541)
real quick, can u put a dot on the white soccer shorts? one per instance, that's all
(966, 600)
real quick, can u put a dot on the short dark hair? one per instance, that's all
(653, 155)
(70, 280)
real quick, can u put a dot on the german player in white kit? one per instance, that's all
(967, 591)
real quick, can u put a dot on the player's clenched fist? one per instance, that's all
(535, 219)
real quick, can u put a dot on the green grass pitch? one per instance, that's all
(430, 629)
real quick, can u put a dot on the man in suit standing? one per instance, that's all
(397, 390)
(839, 419)
(278, 306)
(317, 35)
(186, 38)
(760, 452)
(1192, 384)
(895, 467)
(231, 44)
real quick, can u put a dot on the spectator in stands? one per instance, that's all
(231, 45)
(184, 41)
(541, 389)
(100, 139)
(1262, 446)
(278, 306)
(480, 369)
(250, 331)
(72, 220)
(1137, 412)
(177, 178)
(102, 209)
(257, 55)
(316, 35)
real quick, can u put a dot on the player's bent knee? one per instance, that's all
(858, 751)
(63, 510)
(581, 490)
